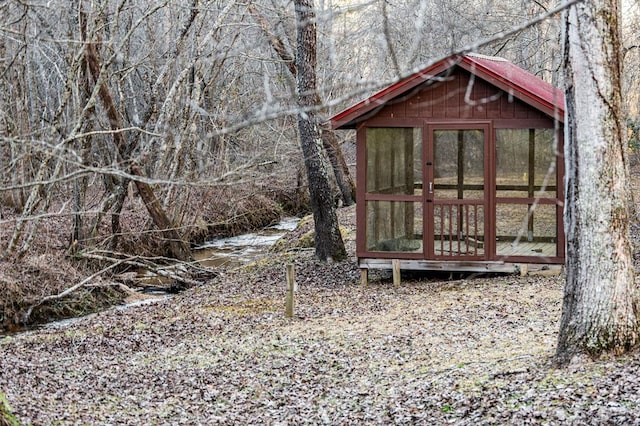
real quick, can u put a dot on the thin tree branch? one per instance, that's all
(27, 314)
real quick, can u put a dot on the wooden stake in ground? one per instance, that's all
(291, 288)
(364, 276)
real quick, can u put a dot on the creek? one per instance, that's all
(229, 252)
(242, 249)
(217, 253)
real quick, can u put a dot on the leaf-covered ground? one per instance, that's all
(469, 351)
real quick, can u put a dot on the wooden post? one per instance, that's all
(290, 290)
(395, 264)
(460, 185)
(532, 180)
(364, 276)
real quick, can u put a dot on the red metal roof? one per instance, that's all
(499, 72)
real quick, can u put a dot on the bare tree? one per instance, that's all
(123, 147)
(328, 241)
(601, 305)
(329, 139)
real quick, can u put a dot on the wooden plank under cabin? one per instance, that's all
(440, 265)
(458, 266)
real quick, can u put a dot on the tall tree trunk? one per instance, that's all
(600, 307)
(328, 241)
(339, 166)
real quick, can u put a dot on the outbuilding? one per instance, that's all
(460, 168)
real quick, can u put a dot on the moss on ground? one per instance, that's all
(6, 417)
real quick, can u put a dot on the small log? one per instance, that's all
(27, 314)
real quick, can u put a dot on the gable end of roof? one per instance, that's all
(498, 72)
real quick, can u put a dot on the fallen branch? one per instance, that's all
(138, 262)
(125, 288)
(27, 314)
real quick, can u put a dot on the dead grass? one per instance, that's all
(24, 284)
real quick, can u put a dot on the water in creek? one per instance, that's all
(242, 249)
(230, 252)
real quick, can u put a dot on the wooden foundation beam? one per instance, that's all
(364, 276)
(395, 265)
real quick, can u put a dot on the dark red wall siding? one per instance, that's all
(446, 100)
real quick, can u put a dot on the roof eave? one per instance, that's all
(349, 118)
(553, 110)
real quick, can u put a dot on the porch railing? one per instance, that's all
(458, 228)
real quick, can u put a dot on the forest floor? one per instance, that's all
(476, 350)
